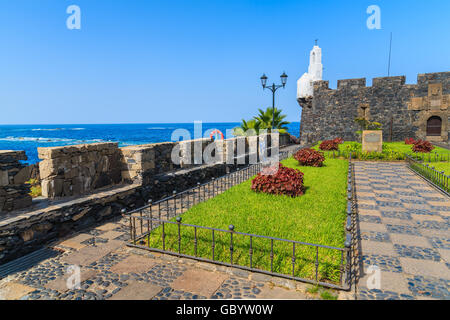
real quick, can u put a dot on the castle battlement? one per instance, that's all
(385, 82)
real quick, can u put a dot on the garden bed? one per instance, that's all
(317, 217)
(392, 151)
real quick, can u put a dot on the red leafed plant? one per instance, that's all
(309, 157)
(284, 181)
(328, 145)
(339, 140)
(422, 146)
(410, 141)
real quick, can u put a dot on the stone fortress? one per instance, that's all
(419, 111)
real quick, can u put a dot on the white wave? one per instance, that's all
(160, 128)
(42, 140)
(56, 129)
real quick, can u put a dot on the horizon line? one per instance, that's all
(112, 123)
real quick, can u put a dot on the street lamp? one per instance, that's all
(274, 88)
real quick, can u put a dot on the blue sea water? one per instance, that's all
(30, 137)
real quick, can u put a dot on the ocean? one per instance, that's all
(30, 137)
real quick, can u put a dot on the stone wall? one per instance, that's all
(142, 161)
(79, 169)
(149, 158)
(285, 139)
(403, 107)
(14, 193)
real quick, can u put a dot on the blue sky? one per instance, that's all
(180, 61)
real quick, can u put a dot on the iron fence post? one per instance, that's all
(150, 222)
(231, 228)
(179, 234)
(175, 201)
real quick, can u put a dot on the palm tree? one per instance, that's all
(265, 120)
(247, 128)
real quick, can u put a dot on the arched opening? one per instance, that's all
(434, 126)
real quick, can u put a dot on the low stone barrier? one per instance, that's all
(14, 192)
(140, 162)
(79, 169)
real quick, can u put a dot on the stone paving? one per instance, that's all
(111, 270)
(404, 231)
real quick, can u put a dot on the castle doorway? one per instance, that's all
(434, 126)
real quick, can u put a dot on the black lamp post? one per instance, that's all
(274, 88)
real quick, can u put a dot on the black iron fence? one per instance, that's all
(438, 178)
(431, 157)
(158, 227)
(387, 155)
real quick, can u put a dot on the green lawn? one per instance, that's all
(440, 166)
(391, 151)
(316, 217)
(405, 148)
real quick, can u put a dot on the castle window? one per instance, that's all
(434, 126)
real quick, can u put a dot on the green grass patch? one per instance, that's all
(316, 217)
(440, 166)
(392, 151)
(326, 295)
(35, 190)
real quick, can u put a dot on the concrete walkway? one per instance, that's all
(404, 232)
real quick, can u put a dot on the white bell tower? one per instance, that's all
(305, 86)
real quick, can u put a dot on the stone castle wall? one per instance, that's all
(14, 192)
(331, 113)
(79, 169)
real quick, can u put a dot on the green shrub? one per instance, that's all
(36, 190)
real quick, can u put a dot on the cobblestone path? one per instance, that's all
(111, 270)
(404, 231)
